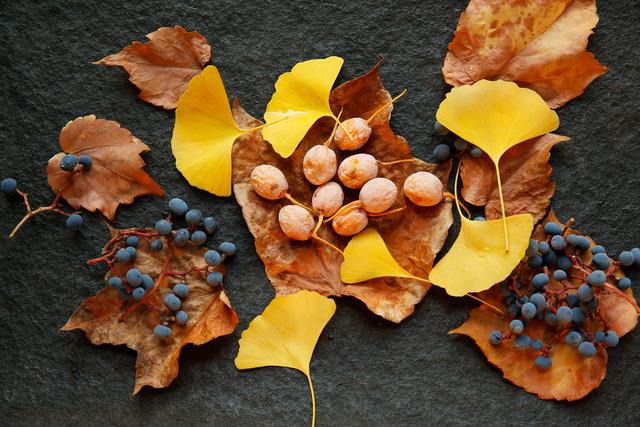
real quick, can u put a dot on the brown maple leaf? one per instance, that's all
(107, 319)
(571, 376)
(162, 67)
(116, 176)
(540, 45)
(414, 237)
(525, 172)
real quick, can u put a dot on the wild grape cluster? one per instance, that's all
(442, 152)
(356, 172)
(547, 292)
(135, 285)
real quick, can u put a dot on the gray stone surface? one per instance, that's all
(366, 371)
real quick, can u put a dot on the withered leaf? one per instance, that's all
(540, 45)
(162, 67)
(525, 172)
(414, 237)
(571, 376)
(116, 176)
(107, 319)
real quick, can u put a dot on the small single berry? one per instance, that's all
(212, 258)
(441, 153)
(476, 152)
(597, 278)
(587, 349)
(173, 302)
(553, 228)
(157, 245)
(181, 237)
(132, 241)
(74, 222)
(199, 237)
(522, 341)
(557, 242)
(573, 339)
(147, 282)
(227, 248)
(209, 224)
(134, 277)
(138, 293)
(69, 162)
(214, 278)
(601, 261)
(193, 217)
(543, 362)
(162, 332)
(564, 315)
(115, 281)
(439, 128)
(560, 275)
(122, 255)
(516, 326)
(181, 290)
(536, 345)
(178, 206)
(9, 186)
(495, 337)
(163, 227)
(85, 161)
(611, 339)
(182, 317)
(624, 283)
(626, 258)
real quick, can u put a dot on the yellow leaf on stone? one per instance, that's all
(367, 257)
(301, 97)
(477, 260)
(204, 134)
(286, 333)
(496, 115)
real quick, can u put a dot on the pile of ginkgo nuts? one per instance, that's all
(356, 172)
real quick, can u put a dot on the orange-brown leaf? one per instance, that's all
(162, 67)
(116, 176)
(525, 172)
(540, 45)
(414, 237)
(209, 310)
(571, 376)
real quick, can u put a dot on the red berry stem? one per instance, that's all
(53, 207)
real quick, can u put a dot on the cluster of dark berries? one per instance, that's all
(442, 152)
(547, 292)
(135, 285)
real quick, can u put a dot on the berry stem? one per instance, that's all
(391, 212)
(335, 128)
(395, 162)
(342, 127)
(290, 198)
(53, 207)
(315, 236)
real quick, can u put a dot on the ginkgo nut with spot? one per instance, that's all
(359, 133)
(378, 195)
(423, 189)
(296, 222)
(356, 170)
(350, 222)
(319, 164)
(327, 199)
(269, 182)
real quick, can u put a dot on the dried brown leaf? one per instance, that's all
(414, 237)
(525, 172)
(162, 67)
(540, 45)
(116, 176)
(210, 313)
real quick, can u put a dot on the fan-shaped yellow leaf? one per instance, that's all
(286, 333)
(204, 134)
(302, 97)
(367, 257)
(477, 259)
(496, 115)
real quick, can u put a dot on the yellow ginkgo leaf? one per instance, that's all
(495, 116)
(367, 257)
(301, 97)
(286, 333)
(204, 133)
(477, 259)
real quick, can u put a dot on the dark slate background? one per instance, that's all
(366, 371)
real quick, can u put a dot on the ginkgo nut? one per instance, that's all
(378, 195)
(319, 164)
(356, 170)
(327, 199)
(423, 189)
(269, 182)
(359, 133)
(350, 222)
(296, 222)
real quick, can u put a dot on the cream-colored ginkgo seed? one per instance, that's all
(359, 133)
(269, 182)
(356, 170)
(378, 195)
(350, 222)
(327, 199)
(319, 164)
(296, 222)
(423, 189)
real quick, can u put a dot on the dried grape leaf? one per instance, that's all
(413, 237)
(162, 67)
(103, 319)
(571, 375)
(540, 45)
(525, 172)
(116, 176)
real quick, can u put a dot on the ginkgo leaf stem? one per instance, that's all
(395, 162)
(290, 198)
(335, 128)
(313, 400)
(262, 126)
(342, 127)
(385, 106)
(504, 215)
